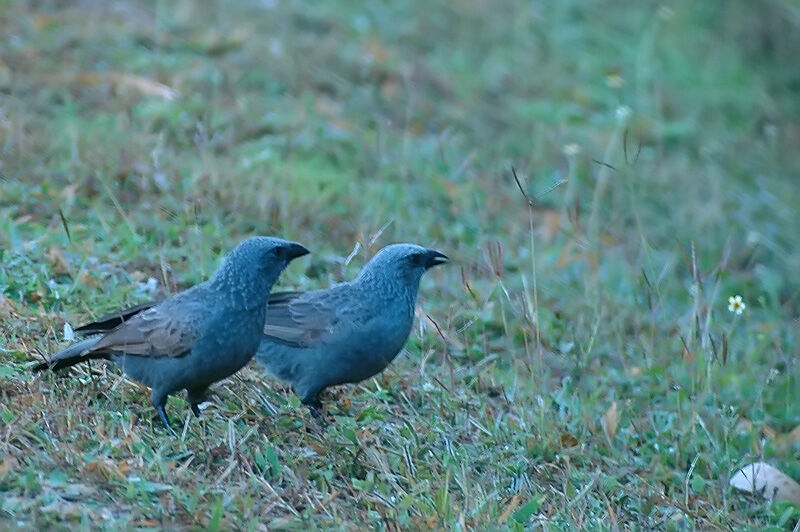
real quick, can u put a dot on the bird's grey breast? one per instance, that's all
(372, 337)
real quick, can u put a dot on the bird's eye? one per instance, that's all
(416, 259)
(278, 251)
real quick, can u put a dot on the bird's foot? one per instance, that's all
(197, 398)
(162, 415)
(199, 406)
(314, 405)
(317, 411)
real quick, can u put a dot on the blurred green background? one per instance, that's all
(583, 369)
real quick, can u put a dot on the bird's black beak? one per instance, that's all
(294, 250)
(434, 258)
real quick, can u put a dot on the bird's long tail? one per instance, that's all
(74, 354)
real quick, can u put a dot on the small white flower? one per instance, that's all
(276, 47)
(360, 23)
(571, 150)
(150, 286)
(623, 112)
(53, 286)
(615, 81)
(69, 334)
(736, 305)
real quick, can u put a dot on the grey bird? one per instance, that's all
(344, 334)
(350, 331)
(196, 337)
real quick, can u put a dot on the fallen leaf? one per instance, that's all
(794, 436)
(609, 422)
(568, 440)
(150, 487)
(566, 257)
(105, 467)
(220, 451)
(7, 306)
(58, 262)
(87, 279)
(64, 510)
(215, 44)
(8, 465)
(140, 84)
(767, 481)
(69, 193)
(44, 21)
(318, 448)
(769, 432)
(146, 86)
(512, 505)
(551, 224)
(147, 523)
(5, 75)
(347, 404)
(76, 492)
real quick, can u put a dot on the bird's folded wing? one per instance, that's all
(302, 319)
(113, 319)
(168, 329)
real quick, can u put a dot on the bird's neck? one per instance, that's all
(243, 291)
(395, 292)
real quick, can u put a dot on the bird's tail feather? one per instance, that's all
(74, 354)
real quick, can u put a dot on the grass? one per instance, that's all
(576, 364)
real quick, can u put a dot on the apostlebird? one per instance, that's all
(196, 337)
(350, 331)
(344, 334)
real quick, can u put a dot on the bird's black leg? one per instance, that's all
(162, 414)
(196, 397)
(312, 401)
(159, 402)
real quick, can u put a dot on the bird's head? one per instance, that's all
(403, 261)
(259, 260)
